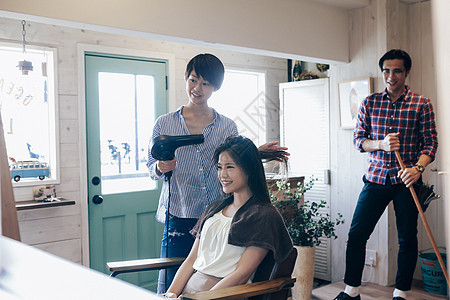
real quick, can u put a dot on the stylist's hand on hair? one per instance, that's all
(164, 166)
(275, 152)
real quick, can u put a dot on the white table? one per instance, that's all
(29, 273)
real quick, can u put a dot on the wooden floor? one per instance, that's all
(371, 291)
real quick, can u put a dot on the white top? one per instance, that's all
(215, 256)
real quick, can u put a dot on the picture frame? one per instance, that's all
(351, 94)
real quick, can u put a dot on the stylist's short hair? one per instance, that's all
(396, 54)
(207, 66)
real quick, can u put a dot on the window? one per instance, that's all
(126, 110)
(28, 109)
(242, 98)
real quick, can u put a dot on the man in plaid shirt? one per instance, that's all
(393, 120)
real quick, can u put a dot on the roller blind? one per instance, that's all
(304, 117)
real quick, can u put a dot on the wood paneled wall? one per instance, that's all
(367, 41)
(59, 230)
(383, 25)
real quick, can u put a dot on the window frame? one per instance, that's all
(54, 155)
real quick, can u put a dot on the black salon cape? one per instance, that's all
(254, 224)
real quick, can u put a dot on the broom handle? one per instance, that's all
(424, 220)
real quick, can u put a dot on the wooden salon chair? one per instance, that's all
(9, 225)
(272, 280)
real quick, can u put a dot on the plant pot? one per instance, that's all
(304, 273)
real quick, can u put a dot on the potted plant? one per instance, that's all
(307, 224)
(305, 221)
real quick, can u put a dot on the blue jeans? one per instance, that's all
(373, 200)
(180, 243)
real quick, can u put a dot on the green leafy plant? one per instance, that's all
(305, 221)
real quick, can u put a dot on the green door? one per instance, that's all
(124, 96)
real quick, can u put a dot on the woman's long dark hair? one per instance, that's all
(246, 156)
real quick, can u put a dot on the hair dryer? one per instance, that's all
(164, 146)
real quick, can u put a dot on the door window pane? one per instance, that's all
(126, 113)
(27, 104)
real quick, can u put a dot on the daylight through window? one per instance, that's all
(243, 98)
(27, 104)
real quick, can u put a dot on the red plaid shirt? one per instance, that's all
(412, 116)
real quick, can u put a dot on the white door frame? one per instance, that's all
(82, 49)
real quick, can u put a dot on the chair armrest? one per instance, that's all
(129, 266)
(244, 290)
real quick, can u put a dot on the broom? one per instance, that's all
(424, 220)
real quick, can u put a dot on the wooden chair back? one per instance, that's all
(9, 223)
(269, 269)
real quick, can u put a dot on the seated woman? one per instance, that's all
(234, 234)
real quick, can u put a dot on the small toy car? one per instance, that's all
(27, 169)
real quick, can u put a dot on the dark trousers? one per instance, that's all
(373, 200)
(180, 242)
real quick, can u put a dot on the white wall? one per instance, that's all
(283, 27)
(441, 35)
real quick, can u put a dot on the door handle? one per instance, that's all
(439, 172)
(97, 199)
